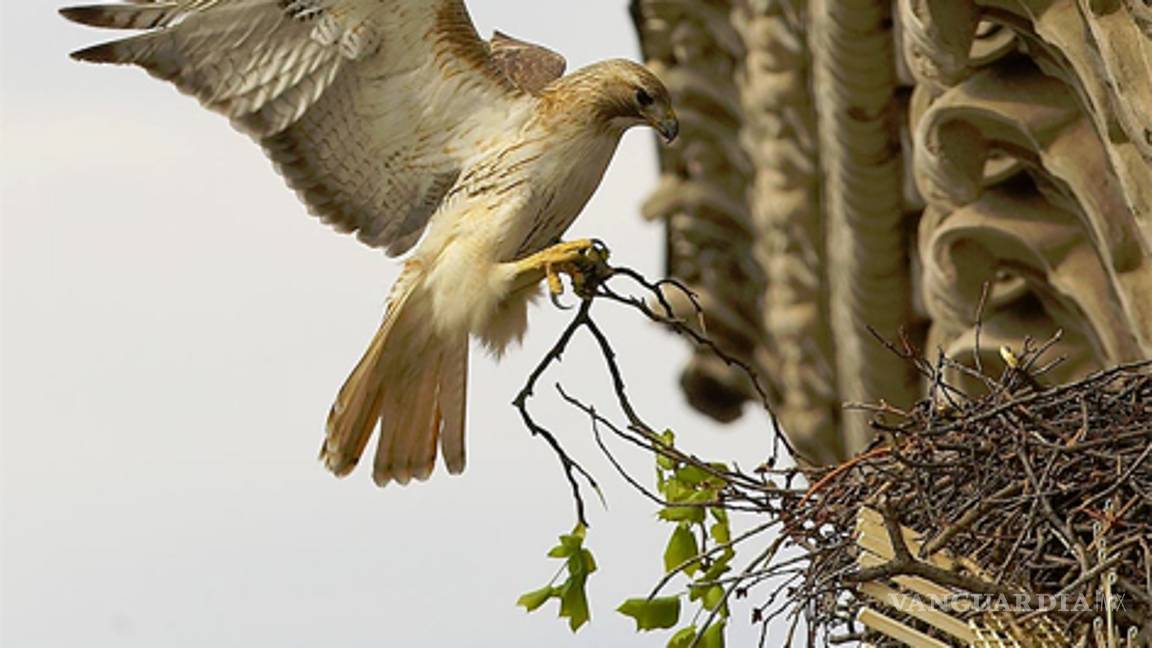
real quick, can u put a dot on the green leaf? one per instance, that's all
(721, 533)
(713, 596)
(713, 636)
(573, 598)
(692, 475)
(703, 497)
(651, 614)
(575, 564)
(569, 543)
(572, 541)
(673, 513)
(581, 563)
(574, 603)
(719, 514)
(683, 638)
(687, 513)
(681, 548)
(533, 600)
(668, 439)
(682, 514)
(589, 561)
(677, 491)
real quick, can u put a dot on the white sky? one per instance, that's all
(174, 329)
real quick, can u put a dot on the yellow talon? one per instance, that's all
(555, 286)
(572, 258)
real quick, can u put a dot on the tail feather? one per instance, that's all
(454, 405)
(407, 430)
(358, 405)
(424, 460)
(411, 383)
(353, 415)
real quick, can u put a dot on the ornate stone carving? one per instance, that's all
(1036, 175)
(780, 138)
(867, 232)
(695, 49)
(892, 159)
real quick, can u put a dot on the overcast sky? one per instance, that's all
(174, 329)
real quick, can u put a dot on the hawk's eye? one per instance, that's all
(643, 98)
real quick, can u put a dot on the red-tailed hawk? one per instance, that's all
(394, 120)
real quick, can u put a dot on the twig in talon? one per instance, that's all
(586, 264)
(600, 249)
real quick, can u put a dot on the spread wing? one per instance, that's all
(369, 108)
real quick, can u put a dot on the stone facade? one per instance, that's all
(850, 166)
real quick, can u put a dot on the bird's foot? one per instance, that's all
(583, 260)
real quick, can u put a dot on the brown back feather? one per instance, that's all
(531, 67)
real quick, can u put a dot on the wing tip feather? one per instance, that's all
(85, 14)
(103, 16)
(102, 53)
(133, 14)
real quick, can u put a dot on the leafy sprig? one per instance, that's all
(572, 593)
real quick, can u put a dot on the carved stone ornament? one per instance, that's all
(859, 167)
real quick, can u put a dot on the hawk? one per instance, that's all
(394, 120)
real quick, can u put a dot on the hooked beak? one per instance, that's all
(668, 127)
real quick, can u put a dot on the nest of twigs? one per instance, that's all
(1047, 488)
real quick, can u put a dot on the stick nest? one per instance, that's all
(1047, 489)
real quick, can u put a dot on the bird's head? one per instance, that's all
(626, 94)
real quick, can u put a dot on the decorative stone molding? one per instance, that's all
(867, 232)
(693, 46)
(780, 138)
(1036, 175)
(856, 164)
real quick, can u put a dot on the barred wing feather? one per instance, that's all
(369, 108)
